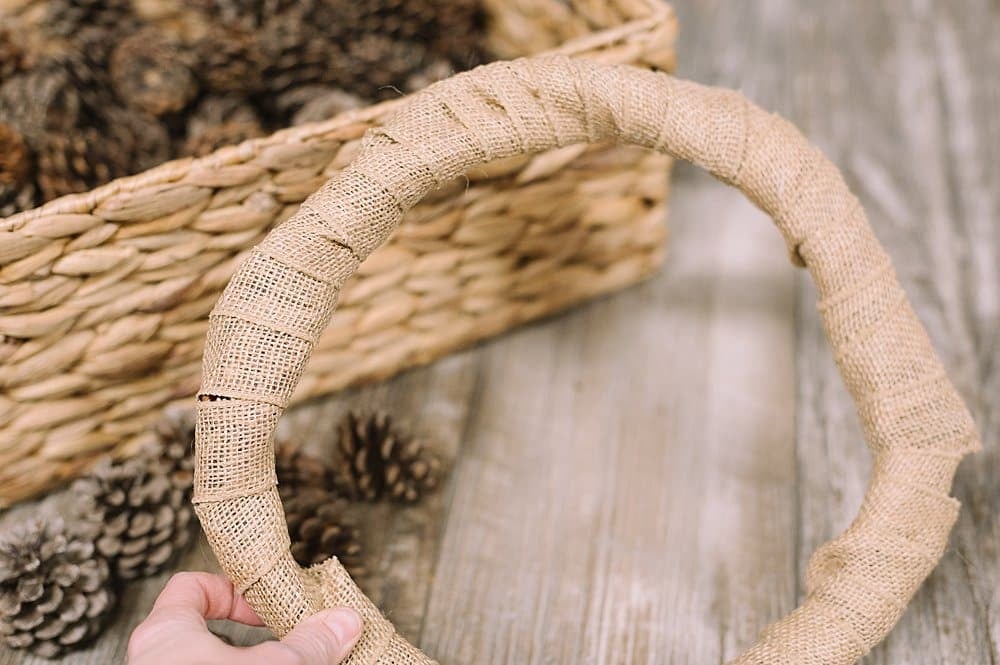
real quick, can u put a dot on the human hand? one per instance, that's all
(175, 632)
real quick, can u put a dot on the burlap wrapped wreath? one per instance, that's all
(270, 316)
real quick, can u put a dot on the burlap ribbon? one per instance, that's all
(270, 316)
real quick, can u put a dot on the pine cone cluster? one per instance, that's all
(55, 592)
(132, 516)
(98, 91)
(379, 461)
(75, 132)
(373, 460)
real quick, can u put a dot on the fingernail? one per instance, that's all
(345, 624)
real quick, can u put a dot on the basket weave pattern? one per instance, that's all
(268, 319)
(105, 296)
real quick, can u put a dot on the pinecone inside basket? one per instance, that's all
(55, 590)
(319, 527)
(17, 190)
(138, 511)
(378, 461)
(152, 74)
(79, 135)
(220, 120)
(100, 89)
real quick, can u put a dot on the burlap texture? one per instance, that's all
(266, 323)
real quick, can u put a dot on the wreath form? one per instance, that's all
(265, 324)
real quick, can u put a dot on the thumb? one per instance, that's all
(324, 638)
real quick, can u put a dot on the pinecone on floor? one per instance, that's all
(135, 513)
(152, 74)
(175, 450)
(377, 461)
(219, 121)
(298, 470)
(55, 590)
(319, 528)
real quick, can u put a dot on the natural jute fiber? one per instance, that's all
(268, 319)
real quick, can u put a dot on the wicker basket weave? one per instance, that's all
(104, 296)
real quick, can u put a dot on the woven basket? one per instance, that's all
(104, 296)
(271, 314)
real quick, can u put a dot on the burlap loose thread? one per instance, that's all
(268, 319)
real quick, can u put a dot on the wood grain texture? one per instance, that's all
(644, 479)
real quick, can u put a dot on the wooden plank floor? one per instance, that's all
(643, 479)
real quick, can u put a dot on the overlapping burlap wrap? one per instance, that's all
(266, 322)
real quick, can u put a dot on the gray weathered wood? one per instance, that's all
(644, 479)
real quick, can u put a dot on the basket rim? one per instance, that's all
(171, 172)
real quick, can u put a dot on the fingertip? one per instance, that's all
(325, 637)
(345, 623)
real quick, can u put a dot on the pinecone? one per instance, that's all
(319, 529)
(175, 452)
(136, 514)
(65, 18)
(151, 74)
(17, 190)
(450, 28)
(15, 199)
(70, 162)
(91, 28)
(55, 590)
(110, 143)
(380, 66)
(15, 55)
(456, 30)
(44, 107)
(230, 61)
(313, 103)
(79, 136)
(297, 52)
(40, 102)
(436, 70)
(247, 14)
(297, 470)
(377, 461)
(218, 121)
